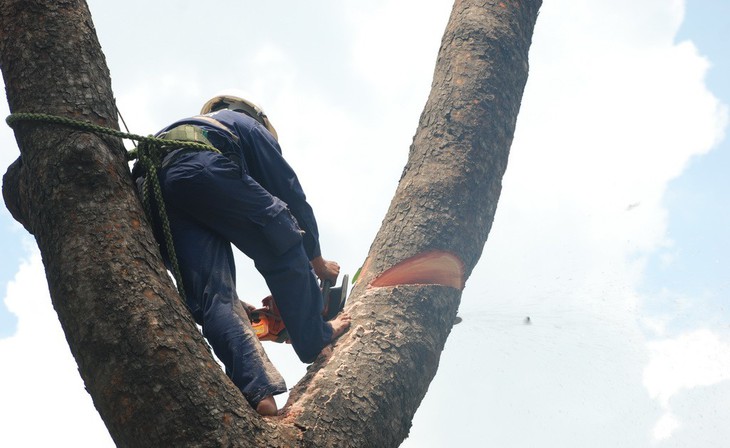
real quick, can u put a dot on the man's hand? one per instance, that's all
(248, 307)
(243, 309)
(325, 269)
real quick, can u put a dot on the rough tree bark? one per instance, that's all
(142, 359)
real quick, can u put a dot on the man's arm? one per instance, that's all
(273, 172)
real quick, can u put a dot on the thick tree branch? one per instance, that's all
(367, 394)
(141, 357)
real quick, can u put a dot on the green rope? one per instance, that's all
(150, 151)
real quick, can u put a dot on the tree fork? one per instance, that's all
(144, 363)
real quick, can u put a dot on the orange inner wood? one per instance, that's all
(430, 268)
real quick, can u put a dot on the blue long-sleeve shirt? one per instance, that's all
(247, 142)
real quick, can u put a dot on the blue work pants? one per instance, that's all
(210, 205)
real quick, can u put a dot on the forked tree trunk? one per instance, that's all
(142, 359)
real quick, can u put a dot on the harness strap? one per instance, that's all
(197, 134)
(188, 133)
(218, 125)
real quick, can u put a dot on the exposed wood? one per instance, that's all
(431, 268)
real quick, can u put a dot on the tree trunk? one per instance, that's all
(141, 357)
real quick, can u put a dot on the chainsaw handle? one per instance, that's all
(325, 285)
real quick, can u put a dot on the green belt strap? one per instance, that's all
(187, 133)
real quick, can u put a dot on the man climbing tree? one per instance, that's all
(139, 353)
(240, 192)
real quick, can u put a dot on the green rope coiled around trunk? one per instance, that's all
(150, 151)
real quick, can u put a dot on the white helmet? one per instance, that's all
(238, 104)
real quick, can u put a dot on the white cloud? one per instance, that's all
(617, 123)
(607, 121)
(394, 47)
(592, 157)
(157, 99)
(694, 359)
(666, 425)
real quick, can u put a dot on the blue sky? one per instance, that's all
(611, 233)
(697, 200)
(14, 239)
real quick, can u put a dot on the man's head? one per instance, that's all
(238, 104)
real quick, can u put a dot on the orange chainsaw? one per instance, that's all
(269, 326)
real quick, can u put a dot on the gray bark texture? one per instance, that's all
(146, 366)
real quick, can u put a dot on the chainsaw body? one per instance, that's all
(267, 322)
